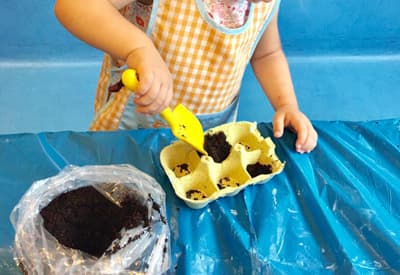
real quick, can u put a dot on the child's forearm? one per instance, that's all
(273, 74)
(98, 23)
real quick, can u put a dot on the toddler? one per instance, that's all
(193, 52)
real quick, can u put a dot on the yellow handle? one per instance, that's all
(167, 115)
(129, 79)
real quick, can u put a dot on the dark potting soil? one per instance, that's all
(194, 194)
(258, 169)
(181, 170)
(217, 146)
(227, 182)
(84, 219)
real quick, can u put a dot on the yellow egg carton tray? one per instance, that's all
(199, 179)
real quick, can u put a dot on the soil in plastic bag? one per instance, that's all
(86, 220)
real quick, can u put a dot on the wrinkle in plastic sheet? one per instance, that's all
(335, 210)
(358, 193)
(332, 211)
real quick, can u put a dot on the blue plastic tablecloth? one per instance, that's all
(335, 210)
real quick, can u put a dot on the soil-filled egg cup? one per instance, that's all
(238, 155)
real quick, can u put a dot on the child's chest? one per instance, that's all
(229, 14)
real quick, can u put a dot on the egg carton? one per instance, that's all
(199, 179)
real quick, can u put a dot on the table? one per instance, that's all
(335, 210)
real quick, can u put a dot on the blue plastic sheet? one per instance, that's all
(335, 210)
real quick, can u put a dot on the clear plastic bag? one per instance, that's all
(143, 249)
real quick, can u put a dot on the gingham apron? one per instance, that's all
(206, 60)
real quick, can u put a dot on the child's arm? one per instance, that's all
(99, 23)
(272, 71)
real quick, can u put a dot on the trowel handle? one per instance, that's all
(167, 115)
(130, 80)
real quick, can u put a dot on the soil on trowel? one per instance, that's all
(217, 146)
(86, 220)
(259, 169)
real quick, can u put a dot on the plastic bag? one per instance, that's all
(143, 249)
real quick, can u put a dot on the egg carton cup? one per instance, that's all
(197, 179)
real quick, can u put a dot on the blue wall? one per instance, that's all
(344, 56)
(340, 26)
(33, 33)
(29, 29)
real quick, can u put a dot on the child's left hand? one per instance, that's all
(290, 116)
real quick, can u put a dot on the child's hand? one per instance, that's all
(154, 93)
(290, 116)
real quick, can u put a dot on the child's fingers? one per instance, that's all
(311, 141)
(149, 95)
(146, 81)
(302, 135)
(155, 100)
(278, 124)
(162, 101)
(306, 139)
(296, 121)
(154, 92)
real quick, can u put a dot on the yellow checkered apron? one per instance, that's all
(206, 62)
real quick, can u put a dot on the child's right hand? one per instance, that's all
(155, 90)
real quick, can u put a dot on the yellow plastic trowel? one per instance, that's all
(184, 124)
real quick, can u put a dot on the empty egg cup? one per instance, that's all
(198, 179)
